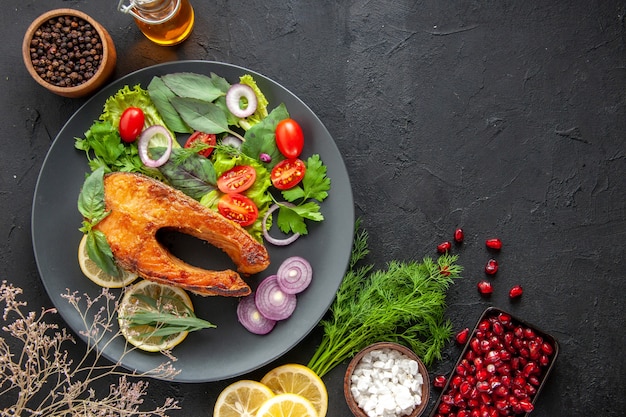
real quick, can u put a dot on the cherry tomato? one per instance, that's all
(237, 179)
(289, 138)
(287, 173)
(131, 124)
(238, 208)
(206, 138)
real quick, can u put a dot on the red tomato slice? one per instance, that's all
(238, 208)
(289, 138)
(206, 138)
(287, 173)
(131, 124)
(237, 179)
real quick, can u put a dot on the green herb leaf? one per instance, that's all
(291, 219)
(192, 174)
(100, 252)
(262, 139)
(314, 185)
(91, 198)
(201, 115)
(191, 85)
(161, 95)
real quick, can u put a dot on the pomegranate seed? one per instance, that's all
(447, 399)
(465, 388)
(444, 408)
(483, 386)
(459, 235)
(494, 243)
(492, 267)
(485, 287)
(516, 291)
(484, 326)
(456, 381)
(533, 380)
(547, 348)
(529, 333)
(440, 381)
(526, 406)
(544, 360)
(463, 413)
(461, 337)
(444, 247)
(482, 375)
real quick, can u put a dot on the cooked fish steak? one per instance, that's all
(140, 206)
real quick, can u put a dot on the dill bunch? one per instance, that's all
(404, 303)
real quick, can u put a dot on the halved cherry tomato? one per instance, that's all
(289, 138)
(237, 179)
(131, 124)
(287, 173)
(206, 138)
(238, 208)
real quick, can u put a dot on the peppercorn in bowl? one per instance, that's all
(386, 380)
(68, 52)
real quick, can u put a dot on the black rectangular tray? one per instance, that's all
(492, 314)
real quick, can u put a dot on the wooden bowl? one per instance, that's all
(347, 382)
(102, 69)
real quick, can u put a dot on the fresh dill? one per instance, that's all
(404, 303)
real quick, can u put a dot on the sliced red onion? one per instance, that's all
(294, 275)
(266, 233)
(250, 317)
(144, 143)
(230, 140)
(233, 100)
(272, 302)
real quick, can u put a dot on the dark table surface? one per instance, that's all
(504, 118)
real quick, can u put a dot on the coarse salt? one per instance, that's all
(387, 383)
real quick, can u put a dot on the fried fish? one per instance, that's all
(140, 206)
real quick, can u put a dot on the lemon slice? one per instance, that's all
(287, 405)
(241, 399)
(169, 298)
(300, 380)
(97, 275)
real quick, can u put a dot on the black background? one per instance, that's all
(504, 118)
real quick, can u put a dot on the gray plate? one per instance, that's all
(229, 350)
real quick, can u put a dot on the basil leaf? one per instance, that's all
(100, 252)
(201, 115)
(190, 85)
(160, 95)
(91, 198)
(261, 138)
(192, 174)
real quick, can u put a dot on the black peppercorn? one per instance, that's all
(66, 51)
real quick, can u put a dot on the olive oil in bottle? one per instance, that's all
(164, 22)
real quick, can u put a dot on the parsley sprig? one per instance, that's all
(305, 198)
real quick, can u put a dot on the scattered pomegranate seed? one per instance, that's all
(516, 291)
(444, 247)
(462, 336)
(459, 235)
(485, 287)
(494, 243)
(440, 381)
(492, 267)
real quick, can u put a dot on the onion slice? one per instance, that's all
(144, 143)
(272, 302)
(231, 140)
(266, 233)
(294, 275)
(250, 317)
(234, 96)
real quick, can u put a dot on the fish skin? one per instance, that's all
(140, 206)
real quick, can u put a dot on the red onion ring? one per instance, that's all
(266, 233)
(272, 302)
(233, 99)
(294, 275)
(144, 144)
(250, 317)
